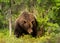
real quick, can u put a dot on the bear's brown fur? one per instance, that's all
(26, 24)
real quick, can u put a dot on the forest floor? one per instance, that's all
(5, 38)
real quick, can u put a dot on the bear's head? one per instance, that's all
(27, 21)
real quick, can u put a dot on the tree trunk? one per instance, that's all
(10, 26)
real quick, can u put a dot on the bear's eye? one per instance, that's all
(24, 21)
(32, 21)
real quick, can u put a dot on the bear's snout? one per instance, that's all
(30, 31)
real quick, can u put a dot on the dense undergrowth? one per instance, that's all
(48, 15)
(47, 38)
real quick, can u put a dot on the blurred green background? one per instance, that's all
(47, 13)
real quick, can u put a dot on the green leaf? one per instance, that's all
(4, 0)
(39, 1)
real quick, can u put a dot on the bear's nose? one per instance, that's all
(30, 30)
(30, 25)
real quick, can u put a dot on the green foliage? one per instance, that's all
(48, 15)
(5, 38)
(4, 0)
(1, 20)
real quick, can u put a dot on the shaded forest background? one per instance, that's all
(47, 13)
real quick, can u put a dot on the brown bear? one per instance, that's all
(26, 24)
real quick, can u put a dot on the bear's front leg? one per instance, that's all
(17, 31)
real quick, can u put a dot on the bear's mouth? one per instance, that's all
(30, 31)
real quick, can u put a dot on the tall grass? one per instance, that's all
(5, 38)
